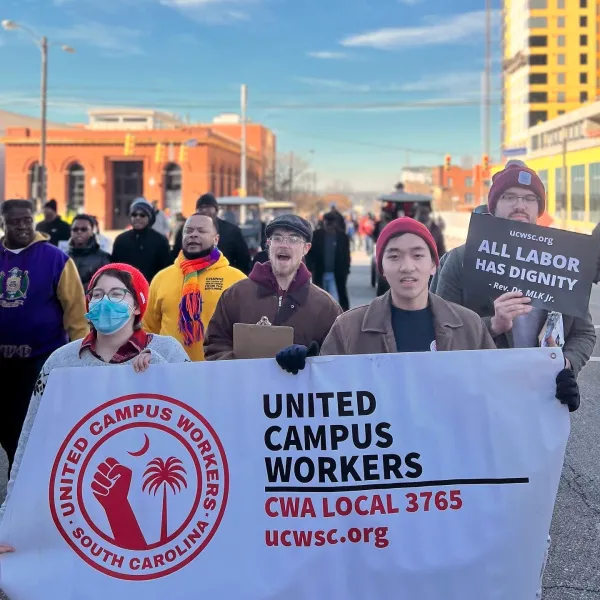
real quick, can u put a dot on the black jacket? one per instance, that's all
(58, 230)
(146, 250)
(88, 260)
(231, 243)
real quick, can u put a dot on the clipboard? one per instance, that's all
(260, 341)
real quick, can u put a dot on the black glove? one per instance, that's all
(567, 389)
(293, 358)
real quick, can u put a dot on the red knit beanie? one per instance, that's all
(139, 282)
(516, 175)
(398, 227)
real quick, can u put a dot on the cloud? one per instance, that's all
(335, 84)
(436, 32)
(113, 40)
(221, 12)
(325, 55)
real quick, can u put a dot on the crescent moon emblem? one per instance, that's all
(144, 448)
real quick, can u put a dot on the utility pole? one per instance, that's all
(243, 172)
(488, 74)
(483, 131)
(44, 92)
(291, 177)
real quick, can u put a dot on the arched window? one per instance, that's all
(229, 181)
(35, 181)
(213, 180)
(173, 180)
(75, 188)
(222, 181)
(236, 179)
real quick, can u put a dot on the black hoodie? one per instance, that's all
(88, 260)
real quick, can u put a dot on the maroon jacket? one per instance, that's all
(306, 308)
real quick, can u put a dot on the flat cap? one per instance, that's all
(293, 223)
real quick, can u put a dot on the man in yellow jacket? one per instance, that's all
(184, 296)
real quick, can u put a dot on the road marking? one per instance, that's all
(595, 359)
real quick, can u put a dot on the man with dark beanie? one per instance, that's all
(142, 247)
(231, 240)
(53, 225)
(517, 193)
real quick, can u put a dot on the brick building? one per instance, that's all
(99, 168)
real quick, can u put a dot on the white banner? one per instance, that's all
(420, 476)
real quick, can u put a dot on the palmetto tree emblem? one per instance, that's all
(162, 473)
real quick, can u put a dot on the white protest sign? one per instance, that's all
(434, 474)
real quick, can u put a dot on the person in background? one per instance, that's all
(366, 229)
(231, 240)
(85, 250)
(142, 247)
(42, 306)
(52, 225)
(423, 215)
(161, 221)
(183, 297)
(117, 299)
(338, 216)
(279, 291)
(329, 260)
(105, 243)
(350, 231)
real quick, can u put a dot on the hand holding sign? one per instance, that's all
(508, 307)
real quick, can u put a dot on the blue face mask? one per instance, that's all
(107, 316)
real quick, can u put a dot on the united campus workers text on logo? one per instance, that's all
(119, 285)
(184, 296)
(278, 291)
(42, 306)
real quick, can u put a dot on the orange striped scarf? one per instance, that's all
(190, 307)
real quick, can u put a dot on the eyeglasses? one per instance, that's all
(115, 295)
(80, 229)
(139, 214)
(290, 240)
(511, 199)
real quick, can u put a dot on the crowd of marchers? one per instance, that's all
(146, 305)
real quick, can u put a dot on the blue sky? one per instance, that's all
(334, 79)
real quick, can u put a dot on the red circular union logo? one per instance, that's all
(139, 487)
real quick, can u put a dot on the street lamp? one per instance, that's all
(42, 44)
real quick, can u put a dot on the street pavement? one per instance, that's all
(573, 570)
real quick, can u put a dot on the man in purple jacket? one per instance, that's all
(42, 306)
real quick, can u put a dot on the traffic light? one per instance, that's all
(183, 152)
(159, 155)
(447, 162)
(129, 144)
(485, 162)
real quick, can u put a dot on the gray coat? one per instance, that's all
(580, 335)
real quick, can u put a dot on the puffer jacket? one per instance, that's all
(88, 260)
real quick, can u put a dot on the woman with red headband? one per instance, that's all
(117, 299)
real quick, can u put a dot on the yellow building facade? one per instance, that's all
(565, 152)
(550, 63)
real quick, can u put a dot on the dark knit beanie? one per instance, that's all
(516, 175)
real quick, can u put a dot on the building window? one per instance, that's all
(561, 78)
(578, 193)
(583, 96)
(583, 59)
(583, 21)
(560, 4)
(35, 177)
(538, 22)
(543, 175)
(560, 97)
(595, 192)
(535, 97)
(583, 40)
(582, 3)
(538, 41)
(538, 4)
(76, 188)
(560, 22)
(583, 78)
(539, 59)
(538, 78)
(213, 180)
(450, 182)
(559, 193)
(537, 116)
(560, 40)
(561, 112)
(468, 182)
(172, 187)
(560, 59)
(468, 198)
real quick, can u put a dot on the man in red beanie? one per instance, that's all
(407, 318)
(518, 194)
